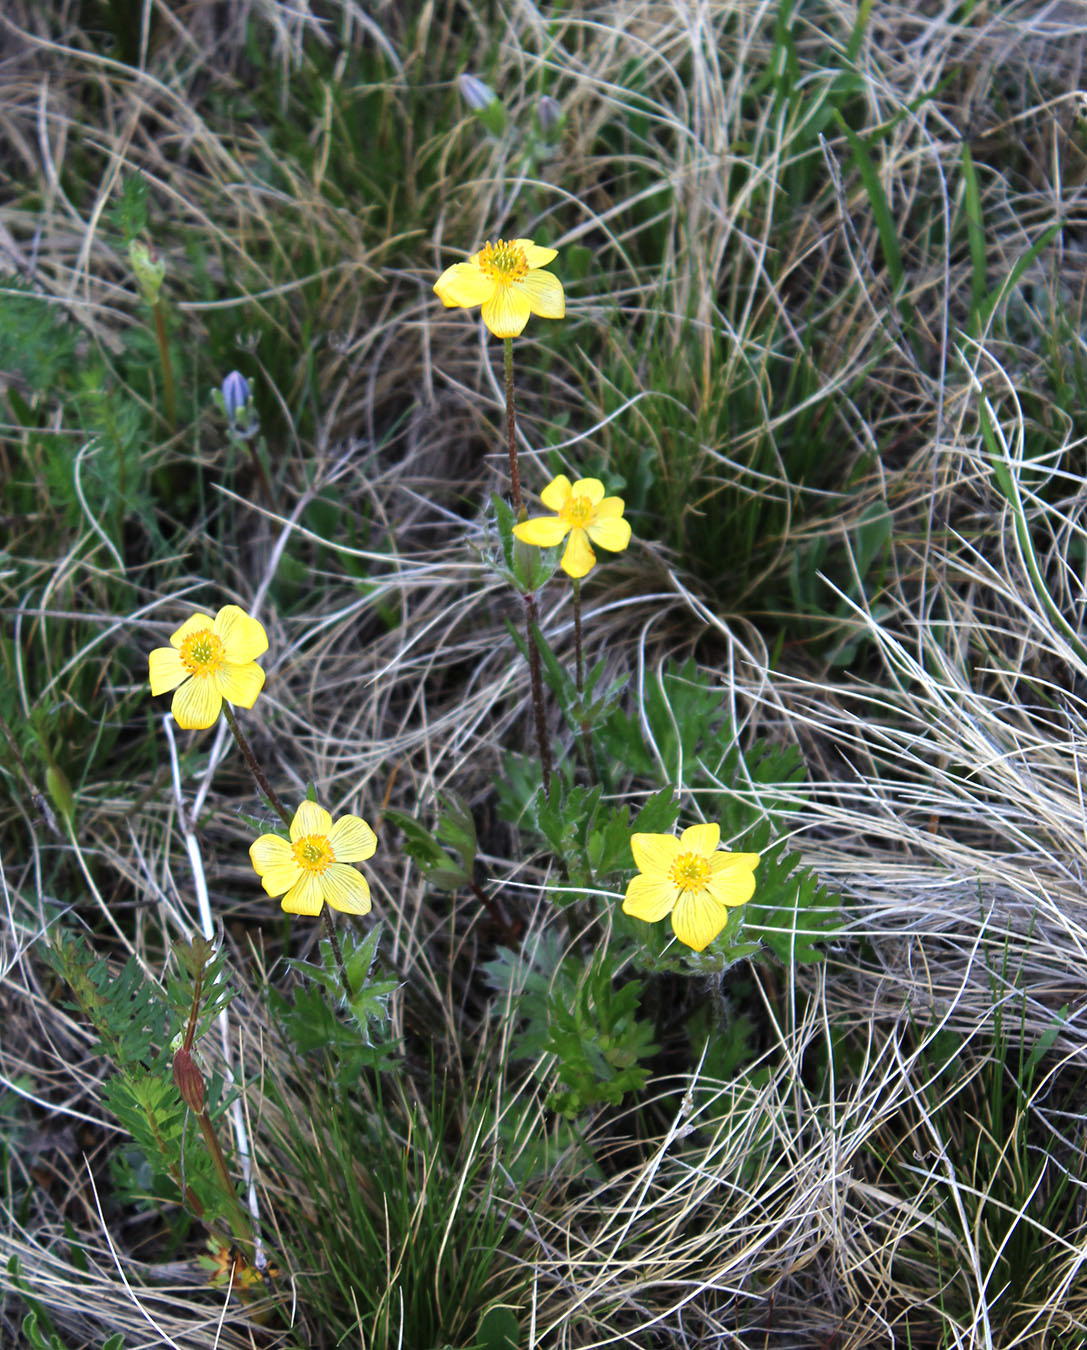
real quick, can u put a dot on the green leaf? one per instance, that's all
(499, 1329)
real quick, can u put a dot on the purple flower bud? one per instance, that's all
(548, 114)
(475, 93)
(235, 395)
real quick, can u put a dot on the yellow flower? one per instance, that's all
(583, 513)
(312, 868)
(504, 278)
(209, 660)
(689, 879)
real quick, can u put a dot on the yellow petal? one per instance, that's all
(240, 685)
(193, 624)
(614, 535)
(270, 851)
(543, 531)
(649, 898)
(654, 854)
(609, 508)
(543, 293)
(535, 254)
(700, 839)
(578, 560)
(166, 670)
(281, 877)
(310, 819)
(352, 840)
(557, 493)
(697, 919)
(464, 285)
(592, 488)
(346, 889)
(506, 312)
(732, 877)
(305, 896)
(244, 639)
(197, 704)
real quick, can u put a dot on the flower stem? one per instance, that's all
(579, 673)
(511, 433)
(510, 933)
(169, 396)
(579, 679)
(285, 817)
(254, 768)
(532, 626)
(337, 950)
(532, 618)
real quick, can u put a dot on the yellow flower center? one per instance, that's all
(577, 513)
(690, 872)
(203, 654)
(313, 853)
(503, 262)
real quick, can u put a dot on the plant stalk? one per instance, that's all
(586, 739)
(169, 394)
(511, 434)
(254, 768)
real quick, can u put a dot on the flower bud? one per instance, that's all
(235, 394)
(475, 93)
(189, 1080)
(149, 270)
(238, 405)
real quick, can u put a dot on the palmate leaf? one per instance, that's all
(577, 1013)
(791, 911)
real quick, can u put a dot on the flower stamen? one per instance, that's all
(203, 654)
(313, 853)
(690, 872)
(503, 262)
(577, 513)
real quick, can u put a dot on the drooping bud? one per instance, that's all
(484, 102)
(475, 93)
(189, 1080)
(148, 268)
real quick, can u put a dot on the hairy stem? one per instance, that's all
(511, 434)
(532, 625)
(169, 396)
(337, 950)
(254, 768)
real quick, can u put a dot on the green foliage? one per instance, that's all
(576, 1012)
(455, 828)
(129, 211)
(37, 344)
(136, 1021)
(591, 836)
(499, 1329)
(409, 1183)
(582, 711)
(1009, 1194)
(310, 1019)
(682, 730)
(856, 575)
(524, 567)
(127, 1010)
